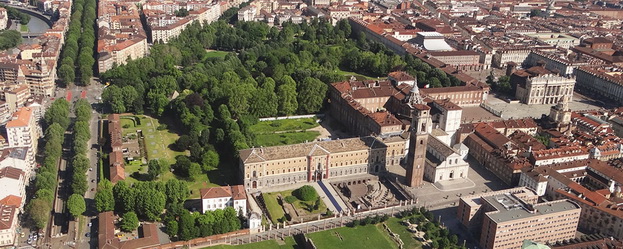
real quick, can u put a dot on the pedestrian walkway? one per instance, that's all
(253, 205)
(335, 196)
(324, 197)
(326, 192)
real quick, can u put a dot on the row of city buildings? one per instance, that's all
(17, 168)
(122, 35)
(27, 77)
(567, 45)
(28, 72)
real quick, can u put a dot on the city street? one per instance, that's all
(75, 234)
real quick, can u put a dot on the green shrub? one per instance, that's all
(329, 213)
(161, 127)
(290, 199)
(305, 193)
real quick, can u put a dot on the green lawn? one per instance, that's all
(156, 141)
(268, 244)
(357, 75)
(284, 125)
(285, 138)
(23, 28)
(276, 211)
(370, 236)
(157, 146)
(215, 54)
(407, 237)
(286, 131)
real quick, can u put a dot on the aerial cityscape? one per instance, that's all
(237, 124)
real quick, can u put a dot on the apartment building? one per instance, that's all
(315, 161)
(120, 34)
(603, 81)
(9, 211)
(558, 40)
(13, 182)
(20, 158)
(513, 221)
(462, 59)
(496, 153)
(163, 25)
(504, 219)
(22, 130)
(16, 97)
(565, 65)
(225, 196)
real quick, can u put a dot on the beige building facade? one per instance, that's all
(316, 161)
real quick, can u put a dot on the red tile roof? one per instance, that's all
(20, 118)
(236, 192)
(8, 208)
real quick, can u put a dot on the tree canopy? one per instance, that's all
(76, 205)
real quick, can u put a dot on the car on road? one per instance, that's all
(92, 180)
(92, 189)
(90, 224)
(87, 234)
(90, 169)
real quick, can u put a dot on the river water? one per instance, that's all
(37, 25)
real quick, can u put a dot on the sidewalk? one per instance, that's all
(323, 196)
(337, 197)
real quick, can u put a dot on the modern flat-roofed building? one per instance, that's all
(506, 218)
(512, 221)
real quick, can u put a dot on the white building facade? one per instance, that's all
(222, 197)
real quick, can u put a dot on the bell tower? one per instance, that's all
(421, 125)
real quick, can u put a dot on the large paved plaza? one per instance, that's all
(518, 110)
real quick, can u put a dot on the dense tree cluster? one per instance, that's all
(56, 120)
(79, 44)
(146, 199)
(80, 163)
(10, 39)
(76, 205)
(441, 237)
(189, 225)
(501, 85)
(231, 14)
(181, 12)
(272, 72)
(129, 222)
(15, 14)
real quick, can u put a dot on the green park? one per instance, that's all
(302, 203)
(369, 233)
(285, 131)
